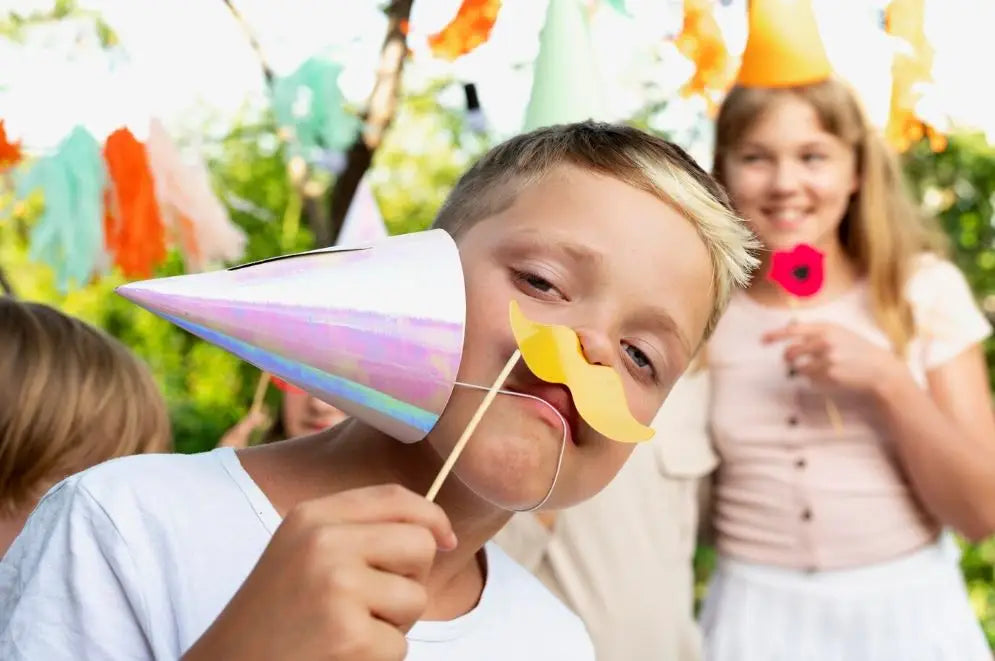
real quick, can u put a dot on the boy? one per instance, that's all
(325, 547)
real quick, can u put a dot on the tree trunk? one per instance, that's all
(379, 113)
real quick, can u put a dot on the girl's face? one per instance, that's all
(790, 178)
(304, 415)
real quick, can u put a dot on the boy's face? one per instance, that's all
(627, 272)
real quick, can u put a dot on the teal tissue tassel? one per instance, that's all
(69, 235)
(310, 103)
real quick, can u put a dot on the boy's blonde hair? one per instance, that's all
(632, 156)
(883, 230)
(70, 397)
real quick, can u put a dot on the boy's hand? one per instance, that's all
(343, 578)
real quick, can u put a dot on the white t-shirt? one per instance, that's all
(135, 558)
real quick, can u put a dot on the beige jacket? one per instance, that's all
(622, 560)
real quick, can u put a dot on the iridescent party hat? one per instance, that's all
(783, 47)
(375, 331)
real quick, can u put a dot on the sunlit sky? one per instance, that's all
(188, 61)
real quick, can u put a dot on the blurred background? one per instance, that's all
(295, 124)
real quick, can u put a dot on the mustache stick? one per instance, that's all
(447, 467)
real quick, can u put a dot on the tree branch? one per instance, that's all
(250, 35)
(5, 284)
(380, 109)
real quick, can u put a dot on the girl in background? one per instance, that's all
(300, 415)
(830, 535)
(71, 397)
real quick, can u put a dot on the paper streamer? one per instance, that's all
(905, 19)
(69, 235)
(310, 104)
(470, 28)
(135, 235)
(10, 152)
(194, 217)
(700, 40)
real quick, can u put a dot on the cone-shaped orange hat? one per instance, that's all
(783, 47)
(377, 331)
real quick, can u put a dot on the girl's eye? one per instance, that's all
(638, 357)
(809, 158)
(751, 158)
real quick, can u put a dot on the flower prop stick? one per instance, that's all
(800, 272)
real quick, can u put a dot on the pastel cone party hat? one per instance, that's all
(565, 87)
(783, 46)
(375, 331)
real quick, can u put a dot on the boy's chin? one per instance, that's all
(511, 473)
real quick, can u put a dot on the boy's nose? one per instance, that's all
(596, 347)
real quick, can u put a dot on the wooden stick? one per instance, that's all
(471, 427)
(257, 399)
(832, 411)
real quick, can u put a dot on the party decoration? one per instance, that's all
(309, 104)
(375, 331)
(470, 27)
(799, 271)
(905, 19)
(565, 87)
(69, 235)
(619, 6)
(783, 46)
(10, 152)
(554, 354)
(363, 223)
(134, 233)
(700, 40)
(193, 216)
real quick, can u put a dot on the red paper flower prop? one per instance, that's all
(799, 271)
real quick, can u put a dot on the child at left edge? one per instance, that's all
(324, 547)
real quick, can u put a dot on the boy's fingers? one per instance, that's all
(379, 504)
(399, 548)
(395, 599)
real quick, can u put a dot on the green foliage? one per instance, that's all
(15, 26)
(958, 187)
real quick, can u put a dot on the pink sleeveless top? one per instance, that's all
(793, 492)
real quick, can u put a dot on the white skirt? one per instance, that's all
(914, 608)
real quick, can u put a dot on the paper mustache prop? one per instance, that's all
(554, 354)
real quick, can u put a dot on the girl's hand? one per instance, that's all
(833, 356)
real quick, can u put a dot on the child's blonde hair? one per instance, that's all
(632, 156)
(70, 397)
(883, 230)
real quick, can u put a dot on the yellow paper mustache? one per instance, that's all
(554, 354)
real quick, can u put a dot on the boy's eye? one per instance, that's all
(638, 357)
(537, 283)
(813, 157)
